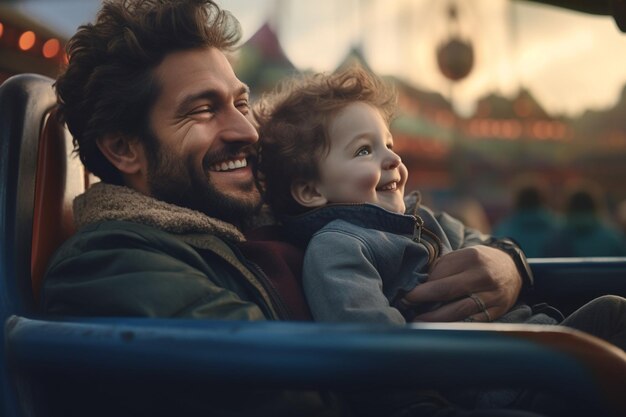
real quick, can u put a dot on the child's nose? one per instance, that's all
(392, 160)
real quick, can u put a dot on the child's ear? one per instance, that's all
(125, 153)
(306, 194)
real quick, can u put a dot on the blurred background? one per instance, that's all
(509, 110)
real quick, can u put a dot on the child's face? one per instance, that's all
(360, 166)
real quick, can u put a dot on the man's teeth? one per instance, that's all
(228, 165)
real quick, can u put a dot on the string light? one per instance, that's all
(51, 48)
(27, 40)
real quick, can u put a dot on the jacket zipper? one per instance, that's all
(274, 295)
(423, 235)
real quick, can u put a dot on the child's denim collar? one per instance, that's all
(366, 215)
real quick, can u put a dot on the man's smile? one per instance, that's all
(229, 165)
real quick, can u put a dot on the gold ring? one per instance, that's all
(481, 305)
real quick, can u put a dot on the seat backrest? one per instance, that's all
(60, 177)
(38, 180)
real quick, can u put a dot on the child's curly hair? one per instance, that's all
(293, 127)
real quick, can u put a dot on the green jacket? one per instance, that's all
(137, 256)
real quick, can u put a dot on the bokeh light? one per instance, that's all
(27, 40)
(51, 48)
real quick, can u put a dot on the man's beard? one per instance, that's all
(177, 181)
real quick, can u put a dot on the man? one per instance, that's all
(158, 114)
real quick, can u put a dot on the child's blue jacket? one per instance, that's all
(361, 258)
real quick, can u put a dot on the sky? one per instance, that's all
(569, 61)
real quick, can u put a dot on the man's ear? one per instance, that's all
(124, 152)
(306, 194)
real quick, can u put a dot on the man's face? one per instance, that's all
(361, 166)
(201, 124)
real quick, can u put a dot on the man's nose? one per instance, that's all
(239, 128)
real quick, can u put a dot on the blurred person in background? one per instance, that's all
(584, 231)
(531, 222)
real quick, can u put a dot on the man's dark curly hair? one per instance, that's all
(108, 86)
(293, 126)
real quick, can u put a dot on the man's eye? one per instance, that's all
(243, 106)
(201, 109)
(365, 150)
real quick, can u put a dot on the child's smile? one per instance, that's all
(361, 166)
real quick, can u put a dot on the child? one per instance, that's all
(332, 177)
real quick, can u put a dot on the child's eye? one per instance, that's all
(365, 150)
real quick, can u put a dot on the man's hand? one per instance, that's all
(469, 281)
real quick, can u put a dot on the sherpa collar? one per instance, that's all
(103, 202)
